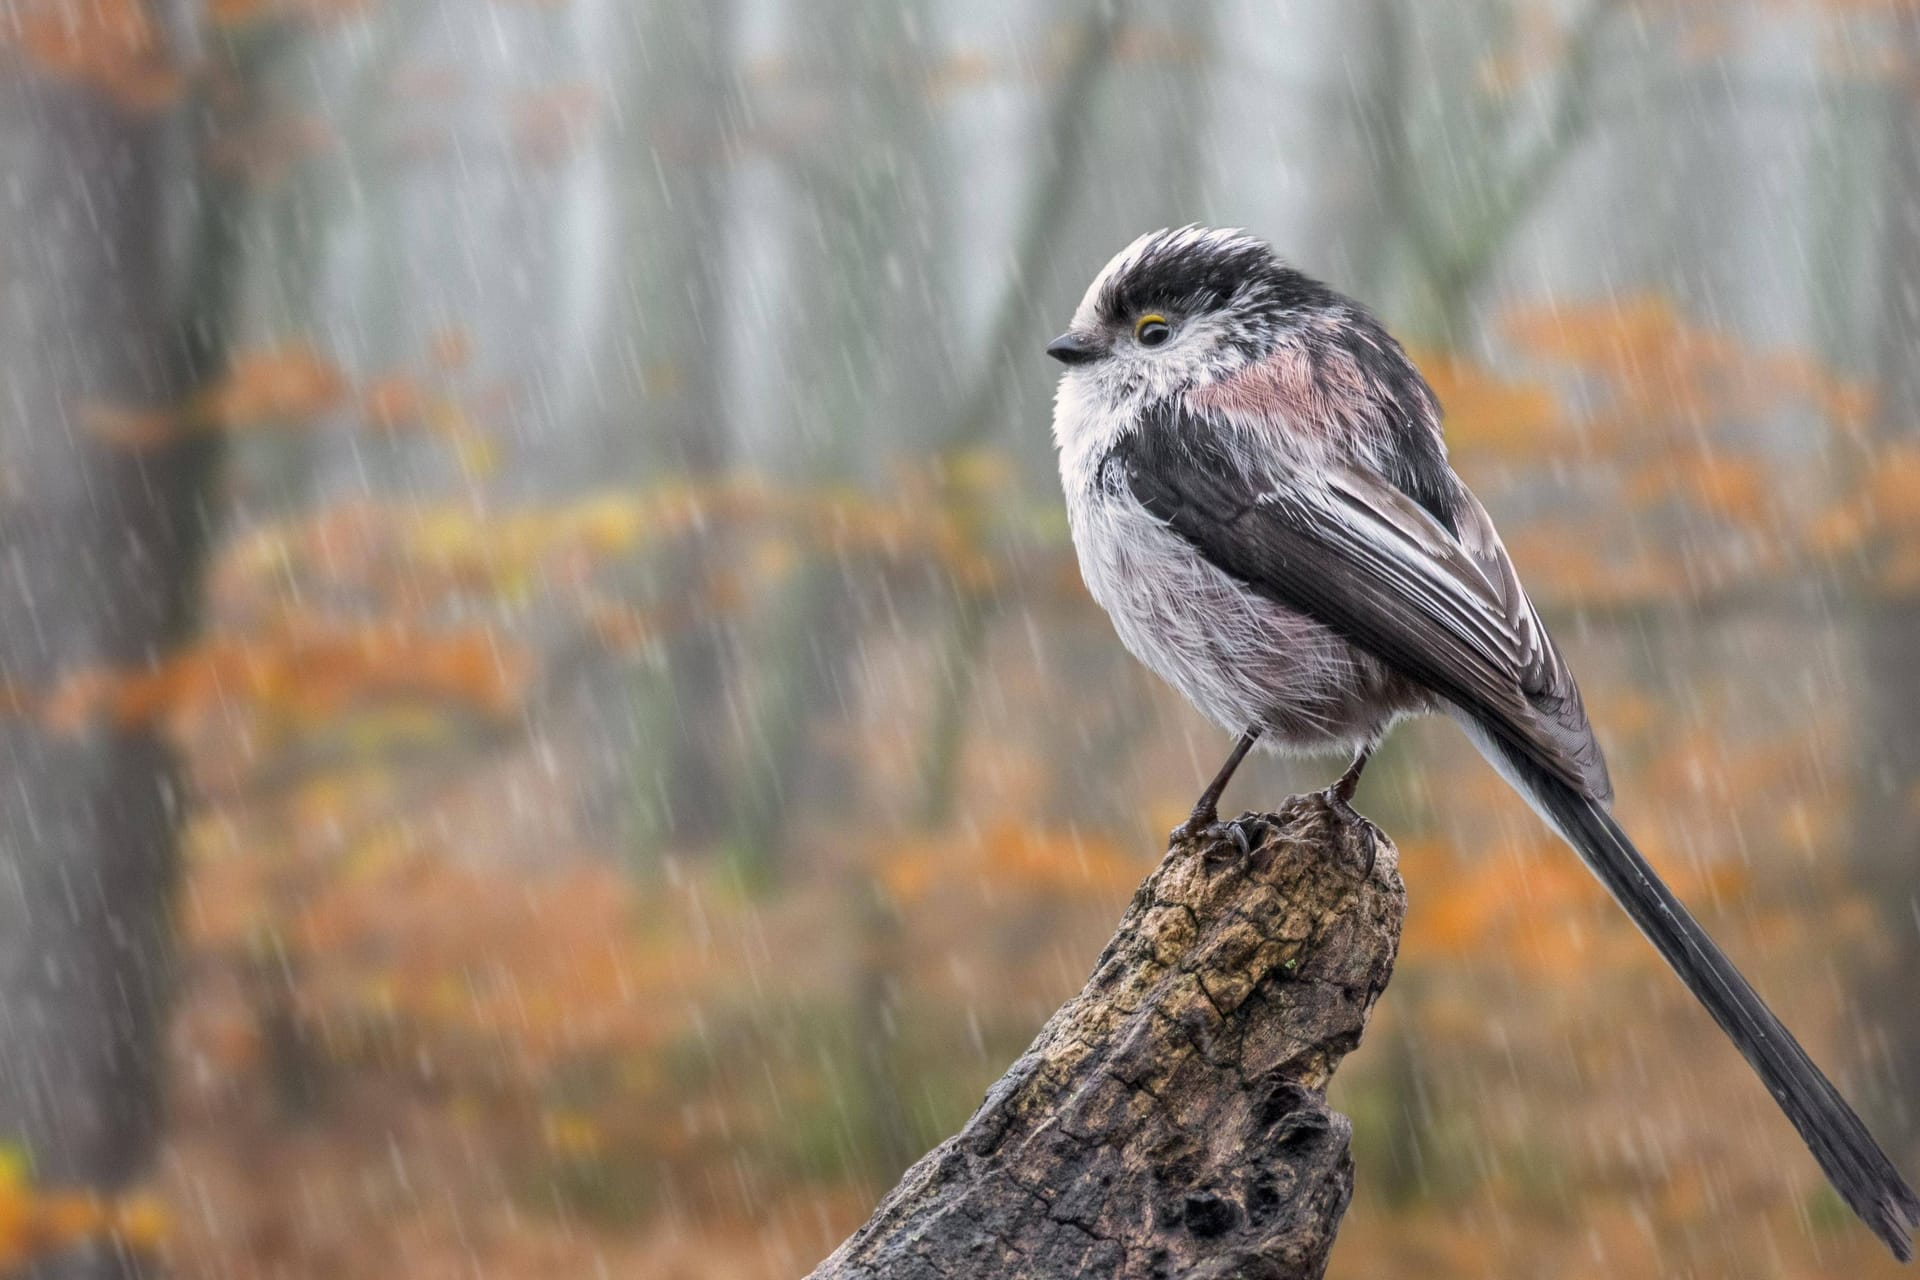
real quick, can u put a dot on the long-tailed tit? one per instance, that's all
(1260, 498)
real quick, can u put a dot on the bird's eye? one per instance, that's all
(1151, 330)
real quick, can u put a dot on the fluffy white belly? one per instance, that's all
(1240, 658)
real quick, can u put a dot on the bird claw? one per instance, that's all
(1246, 831)
(1343, 809)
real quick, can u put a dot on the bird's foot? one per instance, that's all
(1246, 831)
(1342, 805)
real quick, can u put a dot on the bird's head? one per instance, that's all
(1179, 308)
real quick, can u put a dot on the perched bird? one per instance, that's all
(1260, 499)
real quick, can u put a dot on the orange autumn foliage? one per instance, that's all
(36, 1222)
(114, 47)
(1510, 418)
(450, 349)
(239, 13)
(275, 384)
(1646, 425)
(401, 938)
(293, 385)
(1666, 381)
(1016, 857)
(1537, 904)
(1878, 525)
(411, 553)
(394, 400)
(281, 385)
(1733, 487)
(296, 673)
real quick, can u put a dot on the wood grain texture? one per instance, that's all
(1170, 1119)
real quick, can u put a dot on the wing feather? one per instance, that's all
(1354, 552)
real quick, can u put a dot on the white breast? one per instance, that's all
(1239, 657)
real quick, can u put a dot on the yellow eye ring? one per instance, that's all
(1151, 329)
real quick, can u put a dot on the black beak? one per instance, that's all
(1072, 348)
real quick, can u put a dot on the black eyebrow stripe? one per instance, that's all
(1179, 274)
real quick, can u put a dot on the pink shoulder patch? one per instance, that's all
(1291, 391)
(1279, 387)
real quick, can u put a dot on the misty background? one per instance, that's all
(548, 722)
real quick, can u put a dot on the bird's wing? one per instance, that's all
(1545, 679)
(1355, 553)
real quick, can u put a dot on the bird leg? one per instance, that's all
(1339, 798)
(1340, 794)
(1206, 810)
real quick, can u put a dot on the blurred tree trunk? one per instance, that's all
(863, 361)
(862, 366)
(672, 347)
(1452, 180)
(1360, 228)
(1057, 171)
(1887, 805)
(114, 293)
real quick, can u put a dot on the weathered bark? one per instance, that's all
(113, 299)
(1170, 1120)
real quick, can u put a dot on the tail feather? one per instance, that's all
(1853, 1162)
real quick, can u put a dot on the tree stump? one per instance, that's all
(1171, 1119)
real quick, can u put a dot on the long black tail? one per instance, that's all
(1851, 1159)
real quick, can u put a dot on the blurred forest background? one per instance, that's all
(549, 724)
